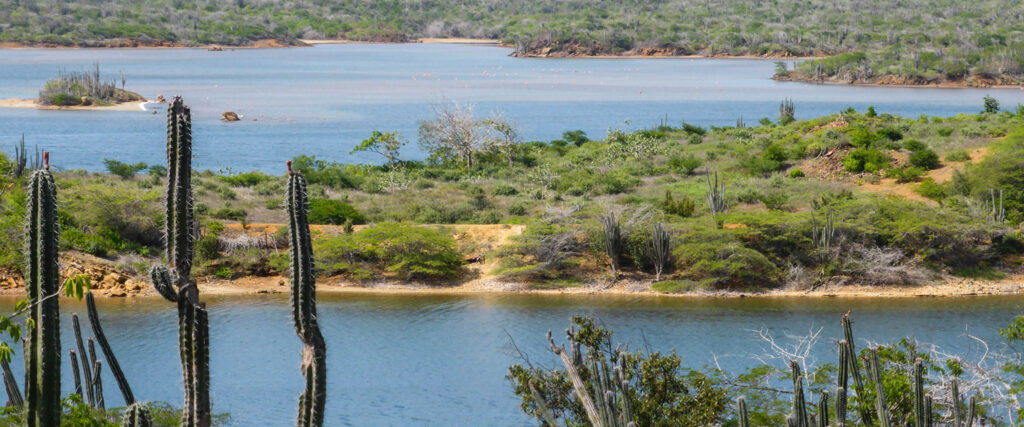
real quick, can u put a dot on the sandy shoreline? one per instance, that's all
(280, 285)
(31, 103)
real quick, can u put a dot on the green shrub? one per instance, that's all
(914, 145)
(333, 212)
(775, 152)
(891, 133)
(684, 164)
(960, 155)
(208, 247)
(675, 286)
(575, 137)
(504, 190)
(905, 174)
(869, 160)
(796, 173)
(230, 213)
(945, 131)
(925, 159)
(683, 206)
(123, 170)
(930, 189)
(247, 179)
(411, 252)
(728, 265)
(226, 193)
(517, 209)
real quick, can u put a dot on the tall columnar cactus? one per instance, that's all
(175, 283)
(314, 352)
(42, 281)
(90, 396)
(136, 415)
(716, 195)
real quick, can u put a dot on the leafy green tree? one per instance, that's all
(123, 170)
(387, 144)
(991, 105)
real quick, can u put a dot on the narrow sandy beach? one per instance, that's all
(31, 103)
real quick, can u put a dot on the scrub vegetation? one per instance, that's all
(976, 43)
(849, 198)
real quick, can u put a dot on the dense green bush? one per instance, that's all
(683, 206)
(869, 160)
(684, 164)
(409, 251)
(333, 212)
(246, 179)
(924, 159)
(230, 213)
(725, 266)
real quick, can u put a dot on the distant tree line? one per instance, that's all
(911, 39)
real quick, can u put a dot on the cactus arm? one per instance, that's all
(841, 407)
(161, 278)
(958, 416)
(799, 402)
(13, 391)
(823, 410)
(876, 376)
(76, 372)
(101, 338)
(542, 408)
(86, 365)
(919, 393)
(97, 381)
(858, 380)
(741, 408)
(972, 411)
(42, 276)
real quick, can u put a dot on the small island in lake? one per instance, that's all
(81, 90)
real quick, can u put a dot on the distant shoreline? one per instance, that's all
(29, 103)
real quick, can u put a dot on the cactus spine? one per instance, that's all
(136, 415)
(176, 284)
(314, 352)
(42, 277)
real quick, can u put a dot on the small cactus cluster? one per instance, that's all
(303, 292)
(42, 282)
(175, 283)
(716, 195)
(850, 367)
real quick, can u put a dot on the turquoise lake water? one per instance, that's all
(324, 100)
(441, 360)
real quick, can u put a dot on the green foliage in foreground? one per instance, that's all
(77, 413)
(900, 383)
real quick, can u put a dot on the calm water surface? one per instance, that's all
(324, 100)
(440, 360)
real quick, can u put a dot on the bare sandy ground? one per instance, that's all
(280, 285)
(31, 103)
